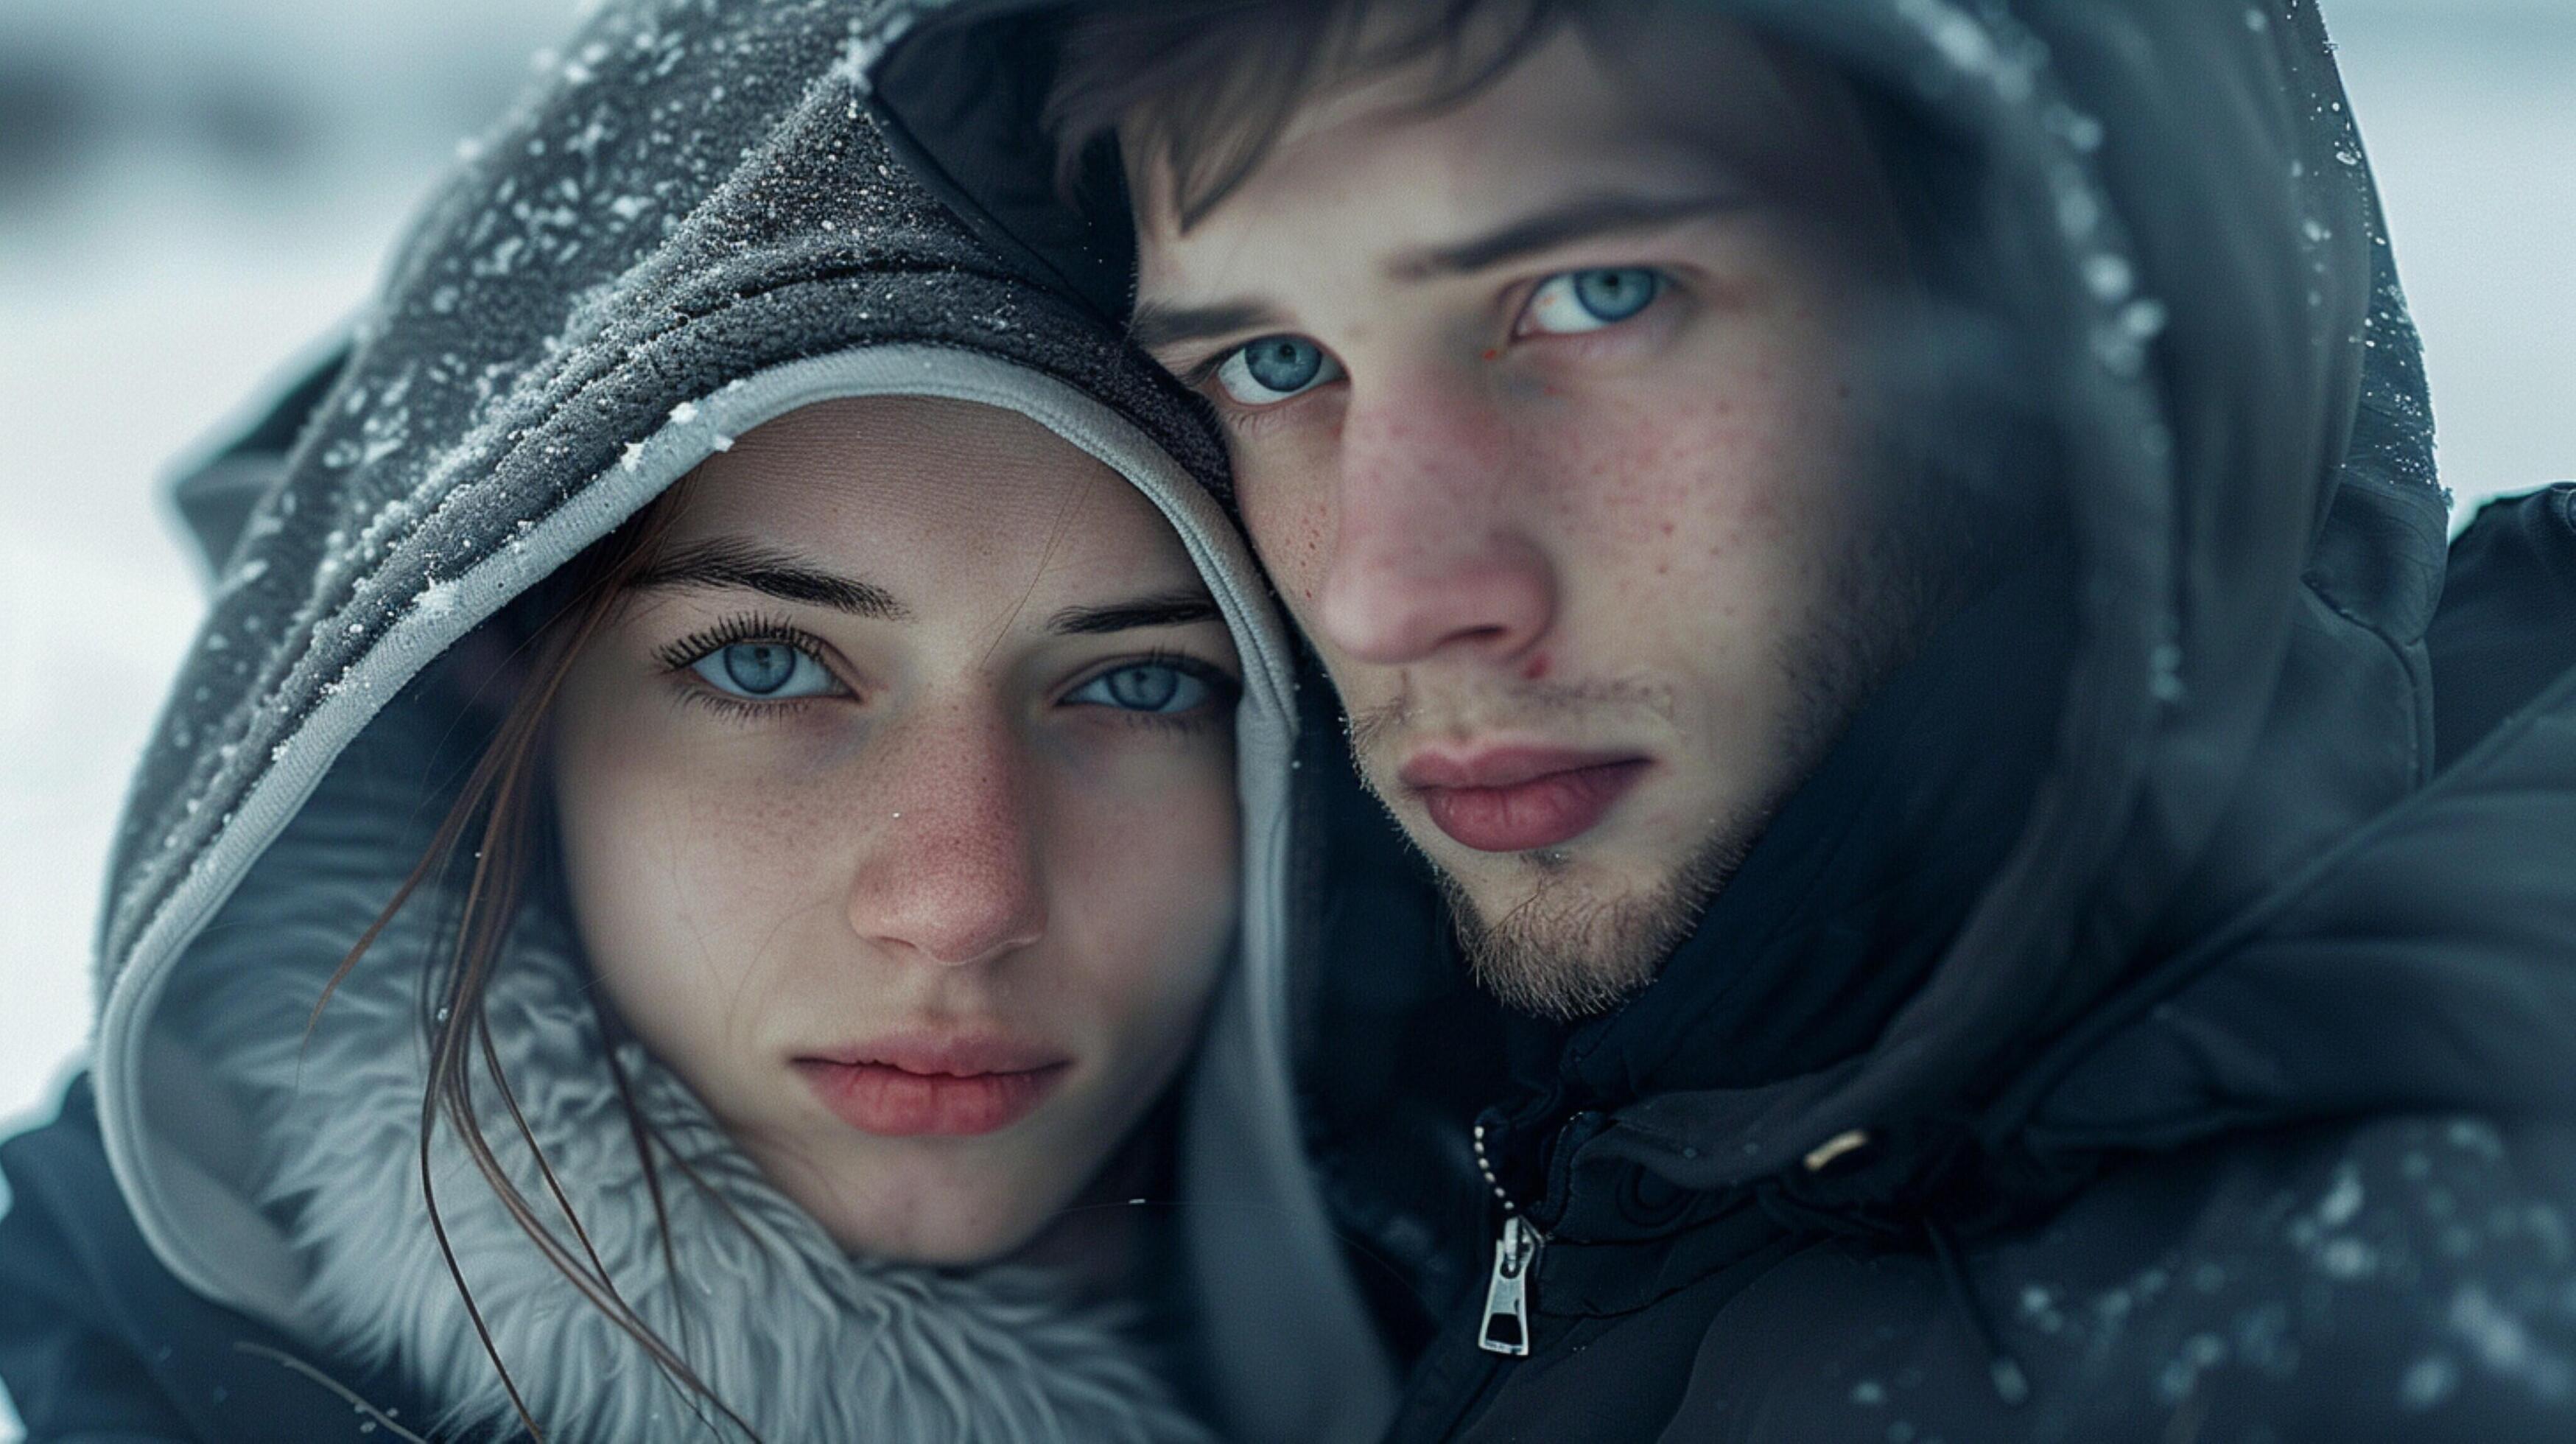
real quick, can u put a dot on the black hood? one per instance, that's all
(2163, 209)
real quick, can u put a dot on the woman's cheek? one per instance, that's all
(674, 858)
(1158, 869)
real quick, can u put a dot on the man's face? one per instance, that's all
(1548, 418)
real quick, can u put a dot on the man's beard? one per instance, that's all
(1560, 954)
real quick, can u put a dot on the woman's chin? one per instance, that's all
(958, 1219)
(944, 1245)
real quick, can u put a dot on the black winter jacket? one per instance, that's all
(100, 1342)
(2152, 1021)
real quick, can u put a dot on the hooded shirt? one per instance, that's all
(2150, 1020)
(688, 228)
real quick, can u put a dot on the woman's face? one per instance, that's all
(898, 810)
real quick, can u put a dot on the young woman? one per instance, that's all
(716, 869)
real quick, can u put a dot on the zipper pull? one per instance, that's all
(1507, 1297)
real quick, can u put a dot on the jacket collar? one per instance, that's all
(1855, 891)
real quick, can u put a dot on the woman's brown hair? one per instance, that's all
(491, 843)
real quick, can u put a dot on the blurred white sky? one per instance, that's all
(224, 177)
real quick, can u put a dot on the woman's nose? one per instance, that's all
(950, 872)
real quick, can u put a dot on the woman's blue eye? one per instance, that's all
(1275, 368)
(1574, 301)
(1146, 687)
(766, 670)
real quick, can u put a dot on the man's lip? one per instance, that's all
(929, 1084)
(1518, 798)
(1500, 766)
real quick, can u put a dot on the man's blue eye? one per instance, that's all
(766, 670)
(1275, 368)
(1576, 301)
(1284, 363)
(1146, 687)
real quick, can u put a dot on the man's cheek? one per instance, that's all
(1289, 517)
(1653, 505)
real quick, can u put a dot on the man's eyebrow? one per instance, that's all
(1575, 220)
(1164, 609)
(733, 562)
(1158, 326)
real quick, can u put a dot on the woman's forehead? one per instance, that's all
(931, 496)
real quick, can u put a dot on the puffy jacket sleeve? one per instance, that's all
(67, 1351)
(100, 1344)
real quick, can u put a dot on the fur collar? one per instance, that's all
(803, 1341)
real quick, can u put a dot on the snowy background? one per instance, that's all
(187, 201)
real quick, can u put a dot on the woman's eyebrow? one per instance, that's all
(734, 562)
(1164, 609)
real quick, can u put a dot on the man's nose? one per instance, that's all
(1429, 553)
(951, 873)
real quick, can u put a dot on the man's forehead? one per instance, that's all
(1563, 131)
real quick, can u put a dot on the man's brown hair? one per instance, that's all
(1203, 89)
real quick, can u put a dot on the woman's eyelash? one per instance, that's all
(1219, 681)
(680, 658)
(688, 651)
(1224, 692)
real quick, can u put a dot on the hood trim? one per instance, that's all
(842, 1346)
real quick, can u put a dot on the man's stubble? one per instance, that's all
(1564, 953)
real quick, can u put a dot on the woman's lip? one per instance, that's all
(932, 1082)
(896, 1102)
(932, 1050)
(1522, 798)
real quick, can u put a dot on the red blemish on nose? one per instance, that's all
(1537, 668)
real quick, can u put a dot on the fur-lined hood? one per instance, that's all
(688, 229)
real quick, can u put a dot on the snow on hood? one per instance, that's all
(686, 229)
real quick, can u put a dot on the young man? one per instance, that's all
(1886, 555)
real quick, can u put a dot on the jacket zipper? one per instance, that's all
(1507, 1296)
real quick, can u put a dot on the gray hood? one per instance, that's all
(687, 229)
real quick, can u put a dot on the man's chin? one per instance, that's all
(1559, 941)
